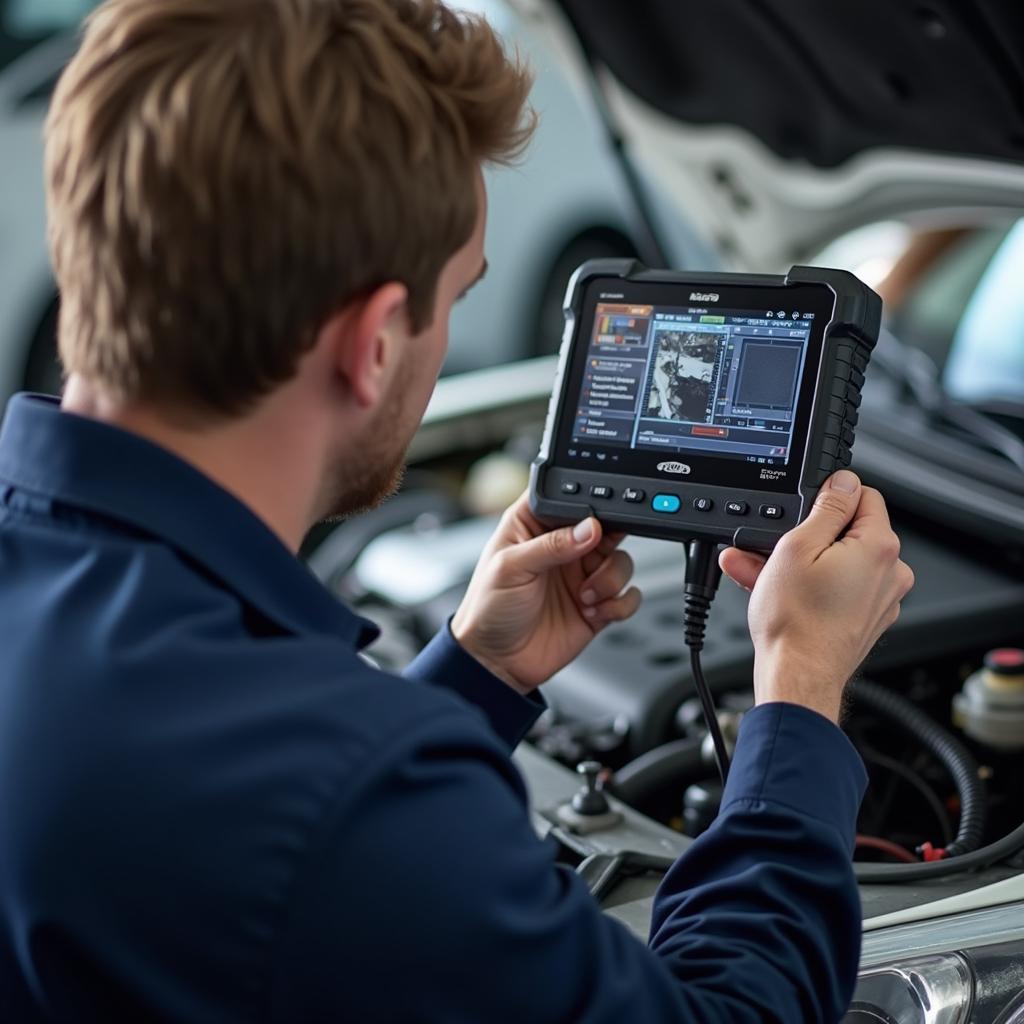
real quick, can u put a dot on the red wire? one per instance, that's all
(884, 846)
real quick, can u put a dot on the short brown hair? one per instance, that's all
(223, 175)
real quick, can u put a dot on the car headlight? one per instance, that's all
(965, 968)
(928, 990)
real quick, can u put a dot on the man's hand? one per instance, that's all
(537, 598)
(819, 604)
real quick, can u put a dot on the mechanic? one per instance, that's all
(212, 808)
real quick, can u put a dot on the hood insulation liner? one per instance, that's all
(823, 80)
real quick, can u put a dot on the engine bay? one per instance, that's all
(628, 705)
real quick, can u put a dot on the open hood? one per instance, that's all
(778, 124)
(824, 82)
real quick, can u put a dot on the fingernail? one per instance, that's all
(588, 597)
(589, 612)
(844, 481)
(583, 531)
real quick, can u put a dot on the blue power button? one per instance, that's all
(665, 503)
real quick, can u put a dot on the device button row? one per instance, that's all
(668, 503)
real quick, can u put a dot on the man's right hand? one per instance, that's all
(824, 597)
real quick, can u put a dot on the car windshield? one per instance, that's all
(26, 23)
(986, 359)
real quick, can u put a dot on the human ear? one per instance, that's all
(363, 341)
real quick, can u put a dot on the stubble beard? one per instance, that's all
(364, 478)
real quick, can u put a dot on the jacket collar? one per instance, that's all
(101, 469)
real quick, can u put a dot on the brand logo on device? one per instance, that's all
(704, 296)
(674, 467)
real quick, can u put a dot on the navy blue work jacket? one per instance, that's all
(212, 809)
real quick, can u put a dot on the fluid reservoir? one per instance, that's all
(990, 707)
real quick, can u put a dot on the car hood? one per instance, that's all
(780, 123)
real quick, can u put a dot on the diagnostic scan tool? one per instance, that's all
(706, 407)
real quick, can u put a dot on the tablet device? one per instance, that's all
(695, 406)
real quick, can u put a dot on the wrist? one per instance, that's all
(463, 635)
(789, 678)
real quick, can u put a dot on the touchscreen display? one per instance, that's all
(721, 382)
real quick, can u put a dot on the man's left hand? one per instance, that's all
(537, 598)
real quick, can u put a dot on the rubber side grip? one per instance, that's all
(843, 377)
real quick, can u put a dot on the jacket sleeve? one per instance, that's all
(769, 889)
(445, 664)
(431, 898)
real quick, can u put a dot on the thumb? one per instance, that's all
(558, 547)
(742, 567)
(833, 511)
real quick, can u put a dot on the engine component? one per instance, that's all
(671, 762)
(701, 802)
(493, 483)
(590, 800)
(956, 758)
(636, 669)
(990, 707)
(589, 810)
(409, 566)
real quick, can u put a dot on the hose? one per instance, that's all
(680, 757)
(956, 759)
(671, 762)
(1001, 849)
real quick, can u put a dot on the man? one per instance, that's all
(212, 808)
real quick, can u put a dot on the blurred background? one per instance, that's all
(938, 248)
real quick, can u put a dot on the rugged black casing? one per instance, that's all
(847, 343)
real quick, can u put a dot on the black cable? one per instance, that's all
(983, 858)
(909, 776)
(946, 748)
(710, 716)
(703, 575)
